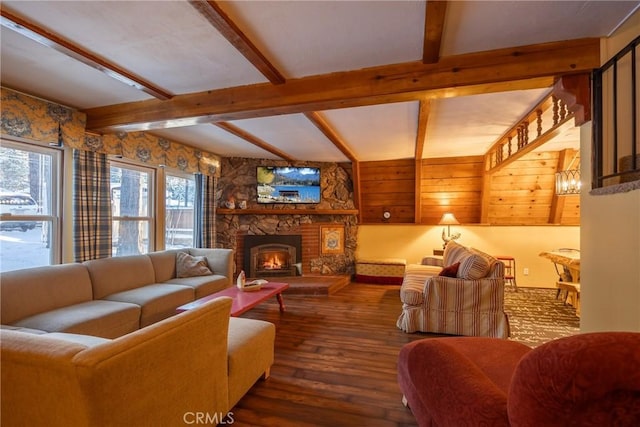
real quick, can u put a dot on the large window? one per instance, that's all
(131, 198)
(29, 190)
(179, 202)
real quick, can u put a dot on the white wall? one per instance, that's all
(525, 243)
(610, 235)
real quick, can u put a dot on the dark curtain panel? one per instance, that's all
(91, 206)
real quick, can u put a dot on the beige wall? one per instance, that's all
(525, 243)
(610, 234)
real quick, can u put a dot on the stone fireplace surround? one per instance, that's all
(238, 182)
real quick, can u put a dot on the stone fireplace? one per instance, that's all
(272, 255)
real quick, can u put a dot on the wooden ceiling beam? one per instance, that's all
(53, 41)
(435, 12)
(240, 133)
(481, 72)
(212, 11)
(320, 122)
(421, 136)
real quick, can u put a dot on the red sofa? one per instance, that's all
(588, 379)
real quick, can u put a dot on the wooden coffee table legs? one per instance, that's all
(281, 303)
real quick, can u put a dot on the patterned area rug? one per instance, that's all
(536, 316)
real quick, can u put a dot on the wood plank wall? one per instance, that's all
(523, 193)
(520, 194)
(387, 186)
(451, 184)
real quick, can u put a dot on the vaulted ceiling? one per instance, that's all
(305, 80)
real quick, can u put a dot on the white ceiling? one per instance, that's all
(170, 44)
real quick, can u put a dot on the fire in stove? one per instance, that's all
(273, 263)
(273, 260)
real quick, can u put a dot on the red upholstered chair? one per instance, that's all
(588, 379)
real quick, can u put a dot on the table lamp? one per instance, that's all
(448, 219)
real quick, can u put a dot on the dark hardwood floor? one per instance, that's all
(335, 361)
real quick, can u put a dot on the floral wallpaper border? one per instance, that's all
(27, 117)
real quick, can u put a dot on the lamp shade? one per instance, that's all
(448, 219)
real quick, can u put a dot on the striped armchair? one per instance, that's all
(464, 295)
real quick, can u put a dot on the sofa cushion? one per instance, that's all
(118, 274)
(164, 264)
(473, 267)
(450, 271)
(31, 291)
(87, 340)
(99, 318)
(202, 285)
(158, 301)
(21, 329)
(191, 266)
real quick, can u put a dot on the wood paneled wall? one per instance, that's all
(387, 186)
(522, 193)
(451, 184)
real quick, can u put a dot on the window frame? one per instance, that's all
(151, 217)
(54, 217)
(167, 172)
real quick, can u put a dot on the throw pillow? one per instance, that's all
(451, 271)
(473, 267)
(190, 266)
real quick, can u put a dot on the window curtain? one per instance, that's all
(205, 219)
(91, 206)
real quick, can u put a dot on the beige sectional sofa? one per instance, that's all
(107, 297)
(99, 343)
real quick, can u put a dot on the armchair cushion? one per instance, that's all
(590, 379)
(473, 267)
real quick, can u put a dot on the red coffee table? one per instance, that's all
(243, 300)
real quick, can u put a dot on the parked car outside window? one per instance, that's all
(17, 205)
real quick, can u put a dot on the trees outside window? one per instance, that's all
(29, 214)
(131, 209)
(179, 202)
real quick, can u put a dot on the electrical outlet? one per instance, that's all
(526, 271)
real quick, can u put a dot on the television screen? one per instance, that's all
(288, 184)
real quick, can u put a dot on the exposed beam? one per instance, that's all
(254, 140)
(421, 135)
(423, 120)
(212, 11)
(53, 41)
(357, 188)
(435, 12)
(469, 73)
(565, 159)
(319, 121)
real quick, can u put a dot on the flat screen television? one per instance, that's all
(288, 184)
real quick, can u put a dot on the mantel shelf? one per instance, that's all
(222, 211)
